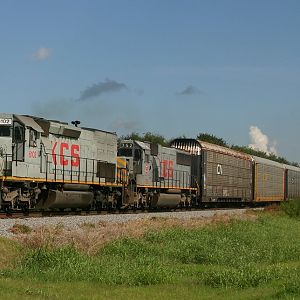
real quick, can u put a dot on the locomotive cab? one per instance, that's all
(6, 130)
(19, 157)
(138, 156)
(19, 142)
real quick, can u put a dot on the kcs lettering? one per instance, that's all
(167, 168)
(66, 154)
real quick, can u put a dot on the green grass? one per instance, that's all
(241, 260)
(29, 289)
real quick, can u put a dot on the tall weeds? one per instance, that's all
(291, 208)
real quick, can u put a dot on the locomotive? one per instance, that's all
(49, 164)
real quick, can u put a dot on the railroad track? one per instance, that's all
(39, 214)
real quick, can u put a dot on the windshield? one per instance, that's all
(125, 152)
(5, 131)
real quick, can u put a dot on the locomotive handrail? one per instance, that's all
(6, 169)
(169, 181)
(83, 174)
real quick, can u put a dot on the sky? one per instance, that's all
(225, 67)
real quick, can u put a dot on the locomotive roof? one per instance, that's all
(29, 122)
(195, 146)
(94, 129)
(142, 145)
(67, 125)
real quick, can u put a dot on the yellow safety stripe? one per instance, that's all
(122, 171)
(270, 198)
(121, 162)
(13, 178)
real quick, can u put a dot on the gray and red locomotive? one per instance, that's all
(48, 164)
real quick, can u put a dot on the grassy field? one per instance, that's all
(258, 258)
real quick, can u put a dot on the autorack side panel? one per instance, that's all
(293, 182)
(227, 174)
(269, 180)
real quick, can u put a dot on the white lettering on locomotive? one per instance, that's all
(6, 121)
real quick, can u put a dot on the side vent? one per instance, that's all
(106, 170)
(154, 149)
(183, 159)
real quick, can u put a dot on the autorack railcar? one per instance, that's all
(231, 176)
(292, 182)
(226, 174)
(269, 180)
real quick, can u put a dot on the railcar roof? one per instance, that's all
(221, 149)
(269, 162)
(293, 168)
(195, 146)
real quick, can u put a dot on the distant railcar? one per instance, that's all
(292, 182)
(269, 180)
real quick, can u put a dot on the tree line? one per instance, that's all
(210, 138)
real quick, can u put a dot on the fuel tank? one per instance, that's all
(67, 199)
(169, 199)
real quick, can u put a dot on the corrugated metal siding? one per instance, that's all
(227, 177)
(269, 182)
(293, 184)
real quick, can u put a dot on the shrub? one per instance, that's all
(20, 229)
(291, 208)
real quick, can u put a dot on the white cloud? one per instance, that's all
(260, 141)
(42, 53)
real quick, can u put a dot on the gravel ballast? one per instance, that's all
(74, 222)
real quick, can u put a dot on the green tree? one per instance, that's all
(156, 139)
(147, 137)
(132, 136)
(262, 154)
(210, 138)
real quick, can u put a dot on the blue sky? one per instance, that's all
(169, 67)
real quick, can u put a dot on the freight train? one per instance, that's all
(49, 164)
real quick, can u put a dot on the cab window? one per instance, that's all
(125, 152)
(137, 154)
(32, 138)
(18, 133)
(147, 158)
(5, 131)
